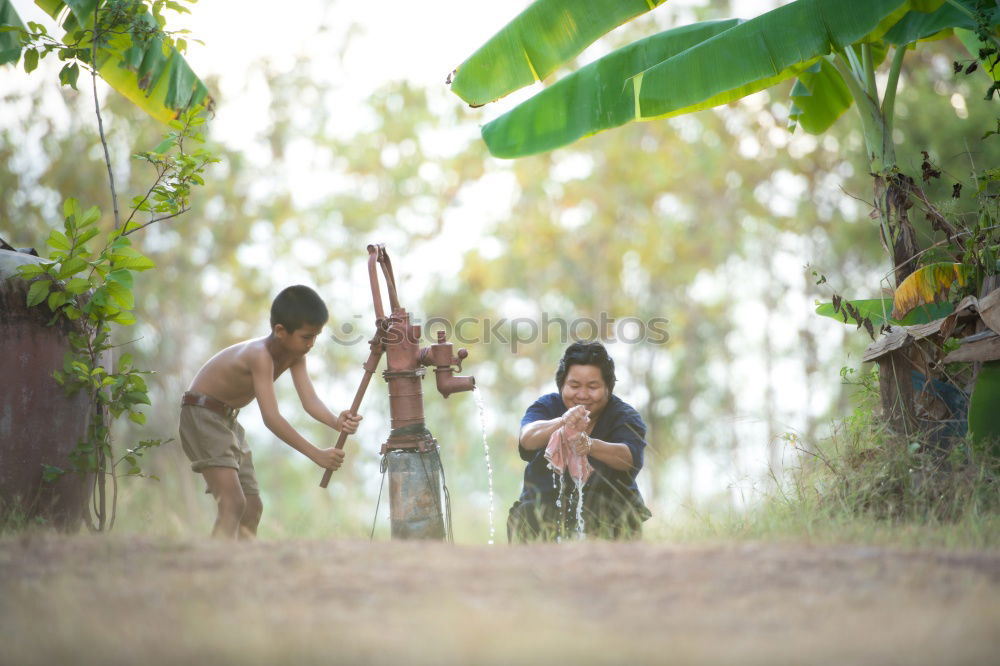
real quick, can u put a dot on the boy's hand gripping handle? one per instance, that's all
(370, 365)
(340, 444)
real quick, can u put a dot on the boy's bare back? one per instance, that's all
(228, 377)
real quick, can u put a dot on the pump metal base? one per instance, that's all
(416, 502)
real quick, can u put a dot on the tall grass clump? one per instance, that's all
(864, 484)
(866, 479)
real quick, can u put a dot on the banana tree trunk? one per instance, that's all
(895, 385)
(892, 201)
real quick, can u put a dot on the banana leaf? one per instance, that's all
(541, 38)
(929, 284)
(748, 57)
(597, 96)
(921, 25)
(152, 76)
(984, 418)
(756, 54)
(820, 96)
(878, 311)
(10, 45)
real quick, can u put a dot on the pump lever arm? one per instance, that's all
(370, 365)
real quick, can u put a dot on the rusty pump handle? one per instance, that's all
(390, 278)
(376, 253)
(370, 365)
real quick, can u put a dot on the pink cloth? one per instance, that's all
(563, 457)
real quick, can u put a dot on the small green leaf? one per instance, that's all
(58, 241)
(30, 60)
(100, 297)
(56, 299)
(120, 294)
(122, 277)
(69, 74)
(177, 7)
(125, 362)
(138, 398)
(137, 417)
(71, 267)
(77, 286)
(30, 271)
(70, 206)
(169, 142)
(124, 319)
(38, 291)
(87, 235)
(128, 258)
(91, 215)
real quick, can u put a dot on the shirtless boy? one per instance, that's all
(230, 380)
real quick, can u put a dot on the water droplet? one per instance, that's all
(477, 393)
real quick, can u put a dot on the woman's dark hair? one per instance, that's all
(296, 306)
(587, 353)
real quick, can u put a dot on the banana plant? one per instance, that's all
(140, 61)
(832, 48)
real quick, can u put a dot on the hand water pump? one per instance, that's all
(410, 454)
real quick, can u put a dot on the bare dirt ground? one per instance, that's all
(127, 600)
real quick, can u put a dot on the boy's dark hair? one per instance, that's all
(296, 306)
(587, 353)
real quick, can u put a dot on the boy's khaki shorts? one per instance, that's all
(211, 440)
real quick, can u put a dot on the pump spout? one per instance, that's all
(440, 356)
(449, 383)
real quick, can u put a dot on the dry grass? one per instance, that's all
(120, 599)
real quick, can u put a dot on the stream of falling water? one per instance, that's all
(486, 451)
(560, 479)
(580, 532)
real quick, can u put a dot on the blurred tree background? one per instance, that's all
(713, 222)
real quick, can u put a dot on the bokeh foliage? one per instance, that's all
(713, 222)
